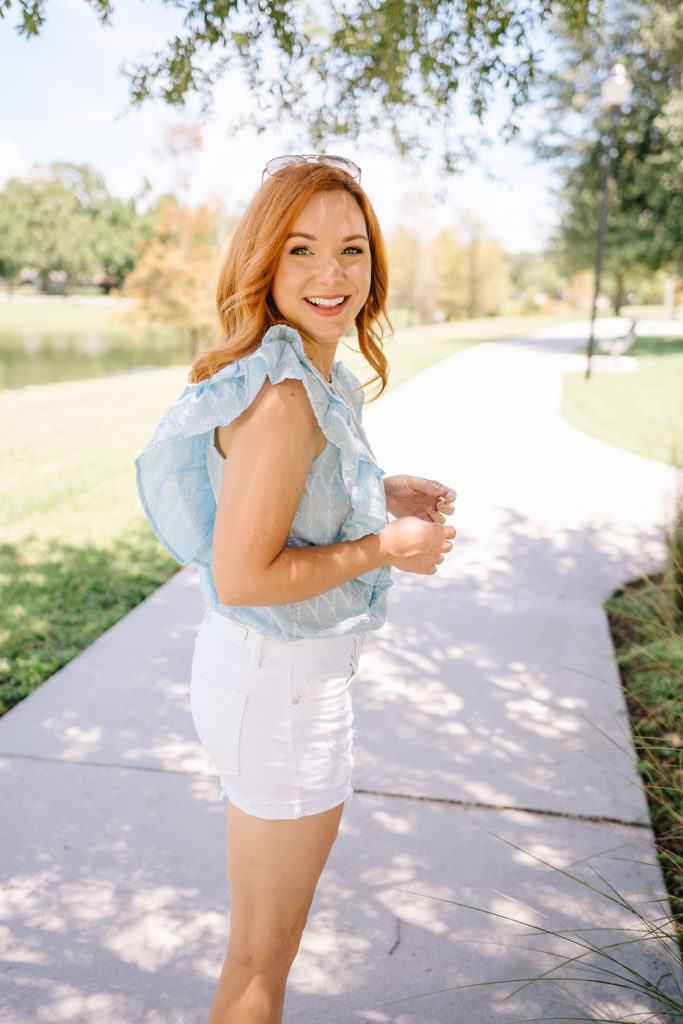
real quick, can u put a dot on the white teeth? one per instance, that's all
(320, 301)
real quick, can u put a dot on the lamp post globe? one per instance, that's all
(616, 87)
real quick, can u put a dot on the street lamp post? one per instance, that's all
(616, 91)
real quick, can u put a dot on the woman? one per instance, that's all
(261, 472)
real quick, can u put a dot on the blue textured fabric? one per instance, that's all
(179, 473)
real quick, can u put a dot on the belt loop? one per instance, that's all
(257, 648)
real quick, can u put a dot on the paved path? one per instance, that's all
(492, 741)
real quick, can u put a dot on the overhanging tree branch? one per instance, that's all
(403, 66)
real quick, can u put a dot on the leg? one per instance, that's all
(273, 869)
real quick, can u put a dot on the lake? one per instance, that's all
(31, 356)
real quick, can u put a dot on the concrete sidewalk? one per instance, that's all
(491, 742)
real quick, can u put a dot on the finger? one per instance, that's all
(432, 487)
(446, 508)
(436, 517)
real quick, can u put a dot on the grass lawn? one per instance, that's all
(76, 553)
(642, 411)
(63, 316)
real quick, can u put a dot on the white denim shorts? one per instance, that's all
(275, 718)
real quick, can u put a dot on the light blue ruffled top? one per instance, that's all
(179, 475)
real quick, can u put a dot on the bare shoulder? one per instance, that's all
(282, 404)
(279, 410)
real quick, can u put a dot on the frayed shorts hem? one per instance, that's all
(287, 811)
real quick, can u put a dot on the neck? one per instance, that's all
(321, 355)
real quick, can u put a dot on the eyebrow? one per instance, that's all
(312, 238)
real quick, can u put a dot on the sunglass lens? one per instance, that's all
(279, 163)
(342, 164)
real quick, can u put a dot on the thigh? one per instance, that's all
(273, 869)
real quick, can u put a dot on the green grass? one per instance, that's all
(642, 411)
(648, 640)
(62, 316)
(77, 552)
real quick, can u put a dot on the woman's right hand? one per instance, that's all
(414, 545)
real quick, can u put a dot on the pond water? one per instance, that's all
(39, 357)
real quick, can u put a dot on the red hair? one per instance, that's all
(245, 306)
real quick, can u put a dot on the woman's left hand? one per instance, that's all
(415, 496)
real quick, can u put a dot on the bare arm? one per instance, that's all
(271, 447)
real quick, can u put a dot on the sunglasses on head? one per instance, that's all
(279, 163)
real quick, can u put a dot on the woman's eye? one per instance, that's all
(299, 250)
(352, 250)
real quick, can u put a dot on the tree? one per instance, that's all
(411, 277)
(64, 224)
(450, 259)
(402, 66)
(173, 279)
(472, 272)
(531, 273)
(645, 222)
(11, 242)
(455, 275)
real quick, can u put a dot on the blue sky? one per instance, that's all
(65, 99)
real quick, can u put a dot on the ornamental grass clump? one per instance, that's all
(646, 618)
(673, 574)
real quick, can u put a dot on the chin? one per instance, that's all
(330, 337)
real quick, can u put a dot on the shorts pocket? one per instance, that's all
(324, 685)
(218, 714)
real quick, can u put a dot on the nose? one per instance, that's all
(330, 269)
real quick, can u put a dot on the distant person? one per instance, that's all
(261, 472)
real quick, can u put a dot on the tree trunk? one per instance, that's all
(472, 278)
(619, 293)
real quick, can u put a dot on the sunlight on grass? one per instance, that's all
(642, 411)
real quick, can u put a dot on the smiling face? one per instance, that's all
(323, 276)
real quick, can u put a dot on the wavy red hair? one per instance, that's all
(245, 307)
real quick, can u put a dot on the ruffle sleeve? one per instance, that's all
(172, 475)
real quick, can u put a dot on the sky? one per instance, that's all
(66, 100)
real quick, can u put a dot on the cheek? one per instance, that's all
(364, 284)
(279, 286)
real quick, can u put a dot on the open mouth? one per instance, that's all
(327, 304)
